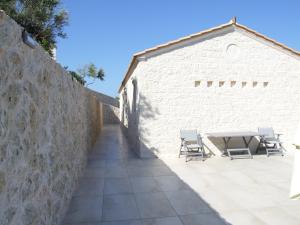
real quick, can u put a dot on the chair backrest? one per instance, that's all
(199, 138)
(189, 135)
(267, 132)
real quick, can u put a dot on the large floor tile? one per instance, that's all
(95, 161)
(163, 221)
(293, 210)
(161, 171)
(203, 219)
(152, 205)
(151, 162)
(124, 222)
(170, 183)
(89, 186)
(114, 163)
(117, 186)
(144, 184)
(115, 172)
(119, 207)
(243, 192)
(138, 171)
(242, 217)
(91, 223)
(250, 201)
(94, 172)
(217, 200)
(275, 216)
(112, 156)
(187, 202)
(84, 209)
(239, 178)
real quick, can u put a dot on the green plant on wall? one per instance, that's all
(77, 77)
(89, 70)
(43, 19)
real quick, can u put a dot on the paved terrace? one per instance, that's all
(120, 189)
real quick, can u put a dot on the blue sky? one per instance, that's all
(108, 33)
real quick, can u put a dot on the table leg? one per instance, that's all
(259, 144)
(247, 142)
(247, 145)
(226, 141)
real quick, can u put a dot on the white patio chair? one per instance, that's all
(270, 141)
(191, 144)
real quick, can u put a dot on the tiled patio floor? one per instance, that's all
(120, 189)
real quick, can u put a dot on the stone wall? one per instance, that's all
(110, 114)
(48, 122)
(110, 108)
(224, 81)
(106, 99)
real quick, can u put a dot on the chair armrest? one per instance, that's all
(278, 135)
(183, 141)
(262, 137)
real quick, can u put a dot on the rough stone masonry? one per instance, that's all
(48, 122)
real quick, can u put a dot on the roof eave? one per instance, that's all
(231, 23)
(168, 44)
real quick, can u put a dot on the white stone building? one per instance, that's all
(222, 79)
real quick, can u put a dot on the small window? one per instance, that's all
(197, 83)
(221, 83)
(209, 83)
(266, 84)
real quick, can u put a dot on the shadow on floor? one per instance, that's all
(118, 188)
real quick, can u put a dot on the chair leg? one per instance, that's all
(180, 151)
(187, 155)
(274, 149)
(258, 147)
(249, 152)
(231, 158)
(281, 149)
(202, 151)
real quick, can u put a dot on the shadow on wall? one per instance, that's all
(147, 112)
(110, 114)
(110, 108)
(131, 125)
(132, 118)
(94, 108)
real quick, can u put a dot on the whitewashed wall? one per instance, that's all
(129, 115)
(169, 101)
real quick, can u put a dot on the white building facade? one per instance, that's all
(228, 78)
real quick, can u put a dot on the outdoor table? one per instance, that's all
(247, 137)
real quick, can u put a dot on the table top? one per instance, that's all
(233, 134)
